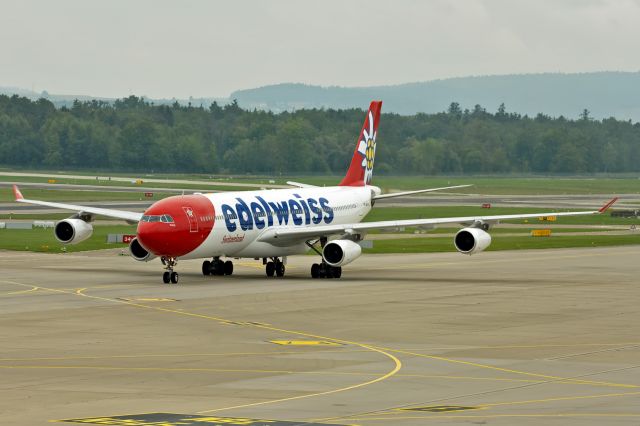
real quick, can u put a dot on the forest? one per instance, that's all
(132, 134)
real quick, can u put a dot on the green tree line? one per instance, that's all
(133, 135)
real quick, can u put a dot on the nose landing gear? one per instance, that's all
(169, 276)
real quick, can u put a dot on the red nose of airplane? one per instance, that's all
(176, 225)
(152, 234)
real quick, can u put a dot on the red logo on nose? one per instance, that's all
(193, 220)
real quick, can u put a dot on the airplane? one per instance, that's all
(276, 223)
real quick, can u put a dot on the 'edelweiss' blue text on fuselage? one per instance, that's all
(267, 213)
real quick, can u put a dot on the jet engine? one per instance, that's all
(341, 252)
(471, 240)
(140, 253)
(72, 231)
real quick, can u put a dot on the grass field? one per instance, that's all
(494, 185)
(497, 230)
(42, 240)
(432, 245)
(81, 195)
(398, 213)
(514, 185)
(482, 185)
(224, 184)
(32, 216)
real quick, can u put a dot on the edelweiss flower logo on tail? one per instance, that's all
(367, 148)
(360, 169)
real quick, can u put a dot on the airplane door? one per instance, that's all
(193, 220)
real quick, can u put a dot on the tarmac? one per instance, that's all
(525, 337)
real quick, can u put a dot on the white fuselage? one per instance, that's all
(241, 217)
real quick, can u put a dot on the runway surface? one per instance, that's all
(524, 337)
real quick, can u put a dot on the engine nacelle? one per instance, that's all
(471, 240)
(72, 231)
(341, 252)
(140, 253)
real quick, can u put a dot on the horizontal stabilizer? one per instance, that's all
(419, 191)
(301, 185)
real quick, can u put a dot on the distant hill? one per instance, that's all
(604, 94)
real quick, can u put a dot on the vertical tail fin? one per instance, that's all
(361, 169)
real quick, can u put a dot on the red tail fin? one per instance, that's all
(361, 168)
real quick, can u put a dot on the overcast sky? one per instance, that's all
(210, 48)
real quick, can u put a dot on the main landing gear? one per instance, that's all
(217, 267)
(169, 276)
(275, 266)
(323, 269)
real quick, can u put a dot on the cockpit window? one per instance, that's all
(157, 218)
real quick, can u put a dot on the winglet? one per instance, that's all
(606, 206)
(17, 194)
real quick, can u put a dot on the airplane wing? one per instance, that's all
(419, 191)
(283, 236)
(116, 214)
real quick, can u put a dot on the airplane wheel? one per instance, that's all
(228, 267)
(280, 269)
(315, 270)
(337, 272)
(322, 271)
(206, 268)
(270, 269)
(174, 277)
(328, 271)
(166, 277)
(218, 268)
